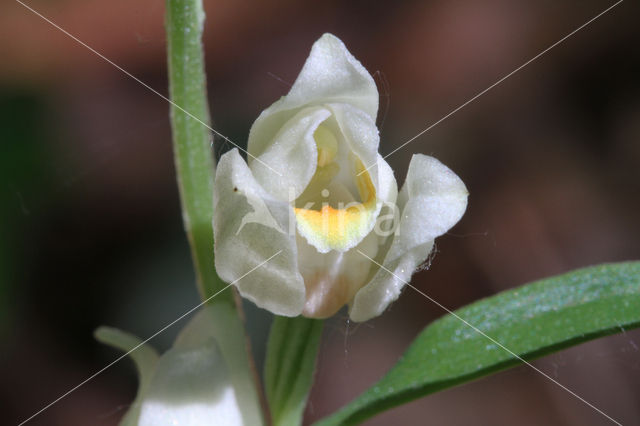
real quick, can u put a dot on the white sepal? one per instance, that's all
(431, 201)
(330, 75)
(289, 161)
(202, 380)
(250, 227)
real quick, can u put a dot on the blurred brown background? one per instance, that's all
(90, 219)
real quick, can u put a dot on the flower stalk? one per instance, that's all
(192, 140)
(290, 365)
(195, 171)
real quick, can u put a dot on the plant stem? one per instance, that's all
(195, 169)
(290, 365)
(192, 141)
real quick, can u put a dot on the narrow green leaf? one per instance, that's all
(192, 138)
(531, 321)
(291, 360)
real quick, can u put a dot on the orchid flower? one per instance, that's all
(317, 193)
(197, 382)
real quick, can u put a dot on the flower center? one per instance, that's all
(327, 145)
(327, 214)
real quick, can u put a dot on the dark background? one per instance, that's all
(90, 222)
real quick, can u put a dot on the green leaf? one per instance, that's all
(291, 359)
(531, 321)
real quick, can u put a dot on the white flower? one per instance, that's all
(315, 170)
(196, 382)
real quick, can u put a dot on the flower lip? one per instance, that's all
(341, 228)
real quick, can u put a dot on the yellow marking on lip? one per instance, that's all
(337, 228)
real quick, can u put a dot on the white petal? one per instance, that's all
(197, 382)
(436, 200)
(250, 226)
(191, 387)
(360, 134)
(432, 200)
(221, 323)
(389, 215)
(387, 185)
(288, 163)
(330, 74)
(387, 283)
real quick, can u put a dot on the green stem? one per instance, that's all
(290, 365)
(195, 168)
(192, 139)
